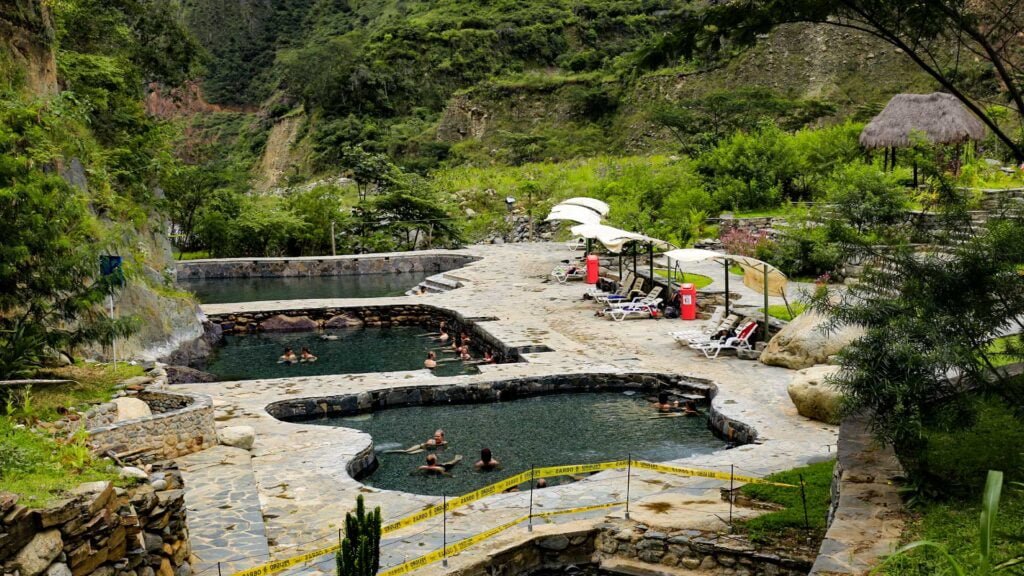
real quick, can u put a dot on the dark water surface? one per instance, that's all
(223, 290)
(252, 356)
(540, 431)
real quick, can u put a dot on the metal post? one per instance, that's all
(333, 251)
(620, 266)
(732, 469)
(633, 244)
(803, 498)
(529, 527)
(113, 341)
(218, 569)
(444, 530)
(650, 256)
(629, 469)
(765, 335)
(726, 264)
(340, 538)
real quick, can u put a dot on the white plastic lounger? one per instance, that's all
(685, 337)
(640, 309)
(624, 285)
(740, 341)
(621, 296)
(563, 275)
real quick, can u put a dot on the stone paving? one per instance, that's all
(299, 472)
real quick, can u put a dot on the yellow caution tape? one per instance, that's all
(497, 488)
(578, 510)
(643, 465)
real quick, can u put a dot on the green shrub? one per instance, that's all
(781, 524)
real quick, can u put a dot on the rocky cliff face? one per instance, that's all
(26, 36)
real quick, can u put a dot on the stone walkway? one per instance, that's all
(299, 472)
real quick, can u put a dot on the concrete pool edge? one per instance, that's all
(432, 261)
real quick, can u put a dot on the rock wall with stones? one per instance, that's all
(100, 530)
(709, 552)
(181, 423)
(433, 263)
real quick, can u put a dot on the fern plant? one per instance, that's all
(360, 550)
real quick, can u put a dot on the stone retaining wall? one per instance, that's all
(100, 530)
(865, 518)
(431, 262)
(181, 423)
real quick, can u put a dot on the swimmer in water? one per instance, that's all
(464, 354)
(431, 361)
(444, 468)
(690, 408)
(663, 404)
(542, 483)
(443, 336)
(488, 357)
(288, 357)
(306, 355)
(435, 441)
(487, 461)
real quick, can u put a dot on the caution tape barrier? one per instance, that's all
(497, 488)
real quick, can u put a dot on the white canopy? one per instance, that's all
(754, 270)
(594, 204)
(613, 238)
(574, 214)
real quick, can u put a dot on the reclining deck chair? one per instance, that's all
(741, 341)
(625, 284)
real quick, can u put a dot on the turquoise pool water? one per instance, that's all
(540, 431)
(221, 290)
(252, 356)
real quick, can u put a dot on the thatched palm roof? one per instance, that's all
(940, 117)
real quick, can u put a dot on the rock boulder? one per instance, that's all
(237, 436)
(131, 408)
(803, 343)
(37, 555)
(813, 396)
(186, 375)
(282, 323)
(343, 321)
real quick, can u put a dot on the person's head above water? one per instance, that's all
(439, 435)
(431, 355)
(485, 455)
(431, 460)
(662, 397)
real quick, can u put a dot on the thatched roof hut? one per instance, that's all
(939, 116)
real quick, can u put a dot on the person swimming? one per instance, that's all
(435, 441)
(690, 408)
(444, 468)
(443, 336)
(487, 461)
(306, 355)
(464, 354)
(663, 404)
(288, 357)
(488, 357)
(431, 361)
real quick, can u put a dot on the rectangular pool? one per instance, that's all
(226, 290)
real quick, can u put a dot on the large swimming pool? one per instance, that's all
(223, 290)
(348, 351)
(540, 431)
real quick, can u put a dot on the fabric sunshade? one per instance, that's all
(594, 204)
(753, 269)
(613, 238)
(574, 214)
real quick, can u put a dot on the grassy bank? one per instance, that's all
(790, 522)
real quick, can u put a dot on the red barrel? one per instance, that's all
(593, 269)
(688, 301)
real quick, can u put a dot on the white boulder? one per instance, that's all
(804, 343)
(814, 397)
(237, 436)
(129, 408)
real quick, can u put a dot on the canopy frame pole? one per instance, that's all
(725, 262)
(620, 266)
(650, 256)
(633, 244)
(764, 337)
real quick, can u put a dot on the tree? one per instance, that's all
(941, 37)
(751, 170)
(50, 287)
(360, 550)
(929, 320)
(866, 198)
(372, 172)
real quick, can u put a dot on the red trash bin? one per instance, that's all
(688, 301)
(593, 268)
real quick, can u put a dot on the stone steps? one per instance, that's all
(436, 284)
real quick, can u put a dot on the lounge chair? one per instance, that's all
(654, 294)
(740, 341)
(576, 244)
(624, 286)
(687, 336)
(631, 292)
(564, 274)
(642, 308)
(726, 325)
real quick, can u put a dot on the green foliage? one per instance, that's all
(779, 525)
(751, 170)
(965, 537)
(866, 198)
(782, 312)
(360, 550)
(39, 468)
(805, 249)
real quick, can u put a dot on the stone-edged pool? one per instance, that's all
(341, 351)
(548, 430)
(227, 290)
